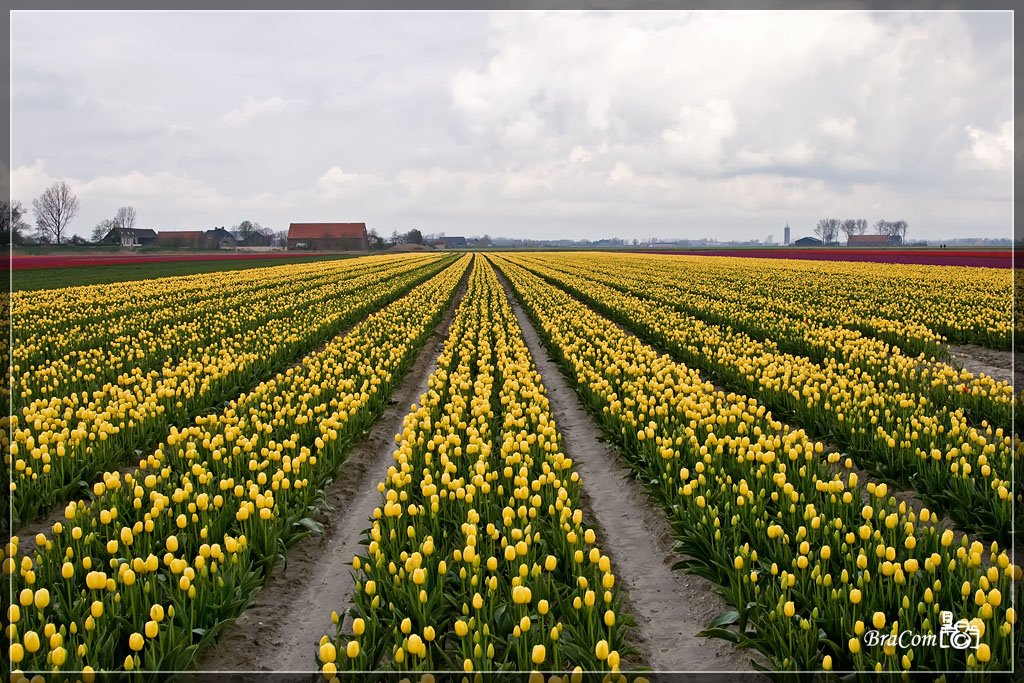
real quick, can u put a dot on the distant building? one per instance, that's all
(450, 242)
(328, 236)
(873, 241)
(786, 234)
(130, 237)
(219, 238)
(808, 242)
(182, 239)
(256, 239)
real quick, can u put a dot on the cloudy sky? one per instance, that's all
(521, 124)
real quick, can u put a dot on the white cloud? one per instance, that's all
(722, 91)
(139, 187)
(798, 153)
(524, 129)
(699, 132)
(989, 150)
(29, 181)
(417, 181)
(336, 183)
(580, 155)
(100, 196)
(622, 173)
(252, 108)
(840, 128)
(671, 123)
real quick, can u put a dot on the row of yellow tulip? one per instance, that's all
(819, 297)
(821, 569)
(146, 573)
(1018, 306)
(803, 333)
(74, 358)
(72, 317)
(911, 306)
(887, 427)
(478, 559)
(57, 443)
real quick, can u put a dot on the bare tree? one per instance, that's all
(374, 239)
(103, 228)
(54, 209)
(899, 230)
(849, 227)
(833, 230)
(244, 230)
(861, 226)
(821, 229)
(827, 229)
(12, 222)
(125, 217)
(894, 229)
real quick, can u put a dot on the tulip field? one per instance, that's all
(828, 468)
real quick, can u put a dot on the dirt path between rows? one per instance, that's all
(282, 629)
(976, 359)
(669, 606)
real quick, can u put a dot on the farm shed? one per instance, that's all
(328, 236)
(181, 239)
(130, 237)
(807, 242)
(873, 240)
(219, 238)
(454, 242)
(256, 239)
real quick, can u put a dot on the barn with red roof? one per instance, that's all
(328, 236)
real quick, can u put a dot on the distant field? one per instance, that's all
(51, 272)
(29, 260)
(1001, 258)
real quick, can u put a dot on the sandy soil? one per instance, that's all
(975, 359)
(669, 606)
(282, 629)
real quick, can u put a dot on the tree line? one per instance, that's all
(414, 236)
(828, 229)
(54, 209)
(58, 205)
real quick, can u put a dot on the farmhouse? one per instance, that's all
(450, 243)
(807, 242)
(182, 239)
(219, 238)
(328, 236)
(130, 237)
(873, 240)
(256, 239)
